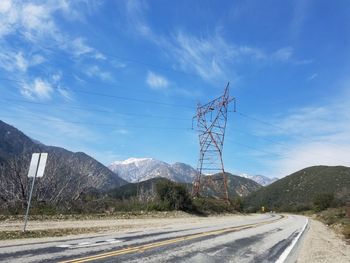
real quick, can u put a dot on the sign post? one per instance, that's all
(36, 169)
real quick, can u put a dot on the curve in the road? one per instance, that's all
(158, 244)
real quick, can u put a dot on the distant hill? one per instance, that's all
(296, 191)
(144, 190)
(237, 186)
(260, 179)
(67, 174)
(141, 169)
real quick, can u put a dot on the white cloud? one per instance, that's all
(136, 17)
(156, 81)
(5, 6)
(36, 17)
(122, 131)
(283, 54)
(299, 16)
(316, 135)
(312, 77)
(95, 71)
(36, 23)
(39, 89)
(209, 56)
(65, 94)
(79, 47)
(205, 56)
(21, 62)
(13, 61)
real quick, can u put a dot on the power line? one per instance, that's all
(94, 110)
(257, 136)
(99, 124)
(280, 128)
(257, 149)
(258, 120)
(115, 96)
(124, 59)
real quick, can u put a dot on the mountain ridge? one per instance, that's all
(141, 169)
(67, 174)
(260, 179)
(297, 190)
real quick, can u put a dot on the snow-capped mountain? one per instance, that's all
(141, 169)
(260, 179)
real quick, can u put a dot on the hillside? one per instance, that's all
(260, 179)
(296, 191)
(141, 169)
(237, 186)
(67, 174)
(143, 190)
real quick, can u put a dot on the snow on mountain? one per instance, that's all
(260, 179)
(136, 161)
(141, 169)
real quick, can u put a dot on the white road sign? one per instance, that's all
(42, 164)
(33, 164)
(36, 169)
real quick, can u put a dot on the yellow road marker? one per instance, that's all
(142, 248)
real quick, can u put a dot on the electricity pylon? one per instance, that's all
(211, 124)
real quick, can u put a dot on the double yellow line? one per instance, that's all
(142, 248)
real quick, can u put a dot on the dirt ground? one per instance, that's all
(322, 245)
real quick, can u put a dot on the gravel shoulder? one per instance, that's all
(322, 245)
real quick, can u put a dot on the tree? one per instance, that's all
(175, 196)
(322, 201)
(13, 185)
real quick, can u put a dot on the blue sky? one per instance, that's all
(120, 79)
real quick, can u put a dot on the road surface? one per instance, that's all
(259, 238)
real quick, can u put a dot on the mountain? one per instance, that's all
(296, 191)
(141, 169)
(237, 186)
(67, 174)
(144, 190)
(260, 179)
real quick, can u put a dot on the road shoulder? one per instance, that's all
(321, 244)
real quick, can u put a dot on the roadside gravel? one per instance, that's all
(322, 245)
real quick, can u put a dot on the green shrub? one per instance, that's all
(322, 201)
(237, 204)
(346, 231)
(173, 195)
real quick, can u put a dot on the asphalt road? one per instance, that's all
(261, 238)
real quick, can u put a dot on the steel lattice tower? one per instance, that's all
(211, 121)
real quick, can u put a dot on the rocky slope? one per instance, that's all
(141, 169)
(67, 174)
(260, 179)
(297, 191)
(237, 186)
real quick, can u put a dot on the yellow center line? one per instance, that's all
(142, 248)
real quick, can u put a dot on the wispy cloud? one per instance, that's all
(312, 77)
(156, 81)
(18, 61)
(36, 23)
(209, 56)
(96, 71)
(300, 12)
(39, 89)
(317, 135)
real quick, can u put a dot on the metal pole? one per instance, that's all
(30, 197)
